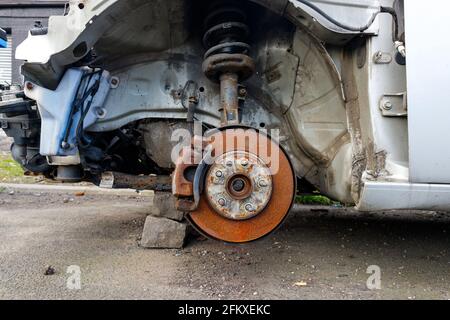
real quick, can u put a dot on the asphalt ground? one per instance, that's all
(319, 253)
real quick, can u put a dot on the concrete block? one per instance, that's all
(163, 233)
(164, 207)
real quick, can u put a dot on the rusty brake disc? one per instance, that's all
(248, 189)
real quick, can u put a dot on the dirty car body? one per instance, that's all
(324, 83)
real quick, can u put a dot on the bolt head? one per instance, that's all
(222, 202)
(244, 162)
(262, 183)
(249, 207)
(219, 174)
(388, 105)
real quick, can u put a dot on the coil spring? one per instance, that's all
(226, 30)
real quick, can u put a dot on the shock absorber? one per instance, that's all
(245, 193)
(227, 59)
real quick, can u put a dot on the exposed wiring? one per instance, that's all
(344, 26)
(74, 109)
(78, 103)
(394, 15)
(85, 110)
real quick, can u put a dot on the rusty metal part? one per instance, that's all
(218, 64)
(227, 61)
(117, 180)
(226, 28)
(229, 69)
(185, 205)
(157, 134)
(229, 99)
(181, 186)
(184, 174)
(216, 225)
(186, 165)
(238, 185)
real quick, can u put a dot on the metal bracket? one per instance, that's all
(394, 105)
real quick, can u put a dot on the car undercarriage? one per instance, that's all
(233, 106)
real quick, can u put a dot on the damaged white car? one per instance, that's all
(233, 106)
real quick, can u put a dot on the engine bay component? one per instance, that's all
(20, 120)
(69, 109)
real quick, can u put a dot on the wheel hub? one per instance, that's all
(238, 185)
(249, 188)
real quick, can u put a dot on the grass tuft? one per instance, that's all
(315, 200)
(9, 169)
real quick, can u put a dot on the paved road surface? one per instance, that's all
(315, 255)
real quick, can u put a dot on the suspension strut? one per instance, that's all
(227, 59)
(246, 192)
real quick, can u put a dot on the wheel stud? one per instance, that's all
(262, 183)
(249, 207)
